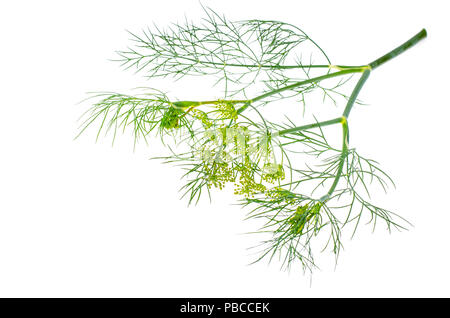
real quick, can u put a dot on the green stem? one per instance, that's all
(400, 49)
(343, 156)
(308, 81)
(275, 67)
(315, 125)
(355, 93)
(311, 80)
(344, 122)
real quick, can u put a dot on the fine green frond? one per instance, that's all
(303, 186)
(144, 113)
(234, 52)
(282, 205)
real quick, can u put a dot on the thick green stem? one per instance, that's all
(402, 48)
(355, 93)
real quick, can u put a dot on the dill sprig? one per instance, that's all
(291, 178)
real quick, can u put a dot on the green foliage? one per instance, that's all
(290, 177)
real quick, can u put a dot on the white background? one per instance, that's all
(80, 219)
